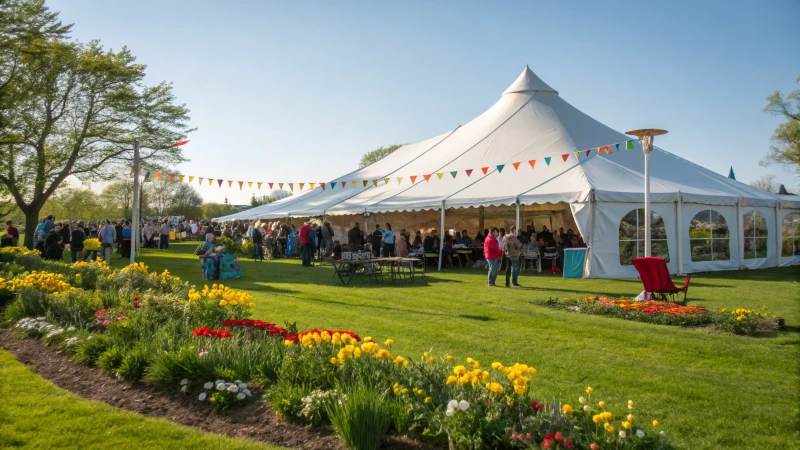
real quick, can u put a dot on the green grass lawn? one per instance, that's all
(37, 414)
(708, 389)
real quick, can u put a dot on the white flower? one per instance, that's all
(622, 434)
(450, 412)
(587, 408)
(221, 387)
(582, 399)
(184, 387)
(241, 385)
(640, 433)
(202, 396)
(663, 433)
(209, 385)
(246, 391)
(233, 388)
(463, 405)
(240, 396)
(184, 382)
(453, 404)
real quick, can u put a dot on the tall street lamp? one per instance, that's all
(646, 137)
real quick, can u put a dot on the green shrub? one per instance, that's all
(111, 360)
(90, 350)
(29, 262)
(31, 302)
(75, 308)
(286, 399)
(55, 267)
(361, 417)
(166, 370)
(134, 364)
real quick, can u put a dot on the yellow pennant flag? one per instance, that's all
(399, 179)
(440, 175)
(385, 181)
(180, 179)
(210, 181)
(577, 155)
(365, 183)
(250, 184)
(259, 185)
(280, 185)
(375, 183)
(354, 183)
(191, 178)
(312, 185)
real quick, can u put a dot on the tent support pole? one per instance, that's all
(679, 232)
(441, 239)
(587, 273)
(740, 233)
(481, 217)
(517, 206)
(135, 227)
(778, 234)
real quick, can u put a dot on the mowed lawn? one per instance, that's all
(708, 389)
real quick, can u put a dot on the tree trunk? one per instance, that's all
(31, 222)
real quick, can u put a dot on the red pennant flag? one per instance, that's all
(565, 156)
(484, 169)
(230, 183)
(219, 182)
(344, 183)
(240, 185)
(270, 185)
(587, 153)
(532, 162)
(427, 177)
(469, 172)
(413, 179)
(178, 144)
(172, 177)
(516, 165)
(608, 149)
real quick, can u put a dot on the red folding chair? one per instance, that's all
(656, 279)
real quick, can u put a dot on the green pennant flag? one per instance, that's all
(629, 145)
(500, 168)
(453, 173)
(547, 160)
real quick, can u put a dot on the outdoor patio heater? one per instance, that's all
(646, 137)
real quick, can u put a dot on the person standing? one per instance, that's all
(107, 236)
(76, 242)
(512, 248)
(118, 228)
(388, 241)
(13, 233)
(401, 248)
(147, 232)
(163, 235)
(327, 238)
(493, 254)
(66, 231)
(305, 244)
(354, 242)
(127, 232)
(49, 224)
(375, 241)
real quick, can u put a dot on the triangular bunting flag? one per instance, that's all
(587, 153)
(609, 152)
(547, 160)
(344, 183)
(608, 148)
(500, 168)
(385, 181)
(365, 183)
(241, 185)
(454, 173)
(629, 145)
(617, 145)
(311, 185)
(565, 156)
(516, 165)
(532, 162)
(219, 182)
(354, 183)
(179, 143)
(250, 184)
(469, 171)
(599, 150)
(171, 177)
(191, 178)
(484, 169)
(180, 179)
(259, 185)
(200, 181)
(301, 186)
(210, 182)
(270, 186)
(440, 175)
(413, 179)
(399, 179)
(230, 183)
(427, 177)
(375, 183)
(158, 175)
(578, 155)
(322, 185)
(280, 185)
(291, 186)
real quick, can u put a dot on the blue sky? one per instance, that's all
(298, 91)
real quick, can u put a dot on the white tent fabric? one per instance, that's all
(531, 122)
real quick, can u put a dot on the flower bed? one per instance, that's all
(143, 327)
(739, 321)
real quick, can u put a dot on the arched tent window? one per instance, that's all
(791, 235)
(709, 238)
(755, 235)
(631, 236)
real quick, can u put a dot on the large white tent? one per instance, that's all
(704, 221)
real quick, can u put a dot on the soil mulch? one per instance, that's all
(252, 420)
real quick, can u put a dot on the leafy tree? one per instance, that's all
(117, 196)
(374, 155)
(214, 210)
(76, 109)
(266, 199)
(786, 139)
(186, 201)
(78, 203)
(766, 183)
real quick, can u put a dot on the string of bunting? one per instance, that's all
(173, 177)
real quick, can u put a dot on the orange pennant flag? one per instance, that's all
(241, 185)
(230, 183)
(344, 183)
(322, 185)
(250, 184)
(565, 156)
(158, 175)
(311, 185)
(599, 150)
(219, 182)
(399, 179)
(427, 177)
(484, 169)
(413, 179)
(532, 162)
(301, 186)
(191, 178)
(516, 165)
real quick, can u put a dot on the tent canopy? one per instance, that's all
(531, 125)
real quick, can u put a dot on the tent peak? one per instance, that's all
(526, 82)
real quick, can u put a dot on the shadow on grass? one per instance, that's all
(396, 309)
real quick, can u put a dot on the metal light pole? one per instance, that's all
(646, 137)
(135, 206)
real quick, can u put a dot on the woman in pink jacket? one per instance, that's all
(493, 255)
